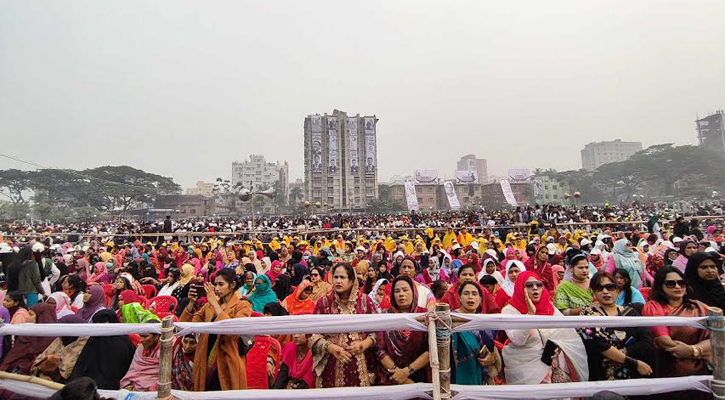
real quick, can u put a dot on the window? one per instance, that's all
(192, 211)
(356, 180)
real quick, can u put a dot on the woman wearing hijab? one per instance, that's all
(377, 294)
(703, 276)
(262, 294)
(131, 311)
(295, 371)
(25, 276)
(26, 348)
(489, 268)
(100, 275)
(531, 356)
(92, 302)
(687, 248)
(61, 302)
(433, 272)
(143, 373)
(282, 287)
(247, 284)
(57, 361)
(626, 258)
(105, 359)
(513, 269)
(299, 301)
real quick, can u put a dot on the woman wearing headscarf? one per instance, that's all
(626, 258)
(282, 287)
(105, 359)
(703, 276)
(131, 311)
(687, 248)
(320, 288)
(275, 271)
(299, 301)
(92, 303)
(433, 272)
(25, 276)
(247, 284)
(143, 373)
(377, 294)
(531, 357)
(489, 268)
(57, 361)
(513, 269)
(446, 271)
(61, 302)
(262, 294)
(295, 371)
(26, 348)
(539, 264)
(467, 273)
(100, 275)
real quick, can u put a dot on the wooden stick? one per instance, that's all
(444, 350)
(32, 379)
(717, 341)
(434, 362)
(167, 341)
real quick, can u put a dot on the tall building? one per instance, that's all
(341, 162)
(711, 132)
(600, 153)
(469, 162)
(259, 172)
(201, 188)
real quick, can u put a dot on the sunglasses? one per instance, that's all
(314, 274)
(609, 286)
(670, 284)
(530, 285)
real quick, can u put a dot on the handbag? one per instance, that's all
(246, 342)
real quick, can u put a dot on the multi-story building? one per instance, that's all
(469, 162)
(493, 197)
(711, 132)
(341, 162)
(600, 153)
(259, 172)
(552, 190)
(201, 188)
(433, 197)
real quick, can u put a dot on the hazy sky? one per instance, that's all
(183, 88)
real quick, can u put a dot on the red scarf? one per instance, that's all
(518, 300)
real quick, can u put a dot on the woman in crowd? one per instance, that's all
(282, 287)
(143, 373)
(299, 301)
(624, 257)
(684, 350)
(489, 268)
(120, 285)
(172, 282)
(370, 279)
(703, 276)
(687, 248)
(276, 270)
(403, 354)
(573, 295)
(432, 272)
(182, 363)
(377, 294)
(467, 273)
(25, 276)
(92, 303)
(539, 264)
(595, 257)
(320, 288)
(489, 283)
(383, 271)
(345, 359)
(14, 302)
(474, 359)
(105, 359)
(217, 364)
(262, 294)
(57, 361)
(131, 311)
(627, 294)
(186, 278)
(99, 275)
(513, 269)
(74, 287)
(248, 284)
(541, 355)
(424, 295)
(615, 353)
(295, 371)
(5, 340)
(26, 348)
(61, 302)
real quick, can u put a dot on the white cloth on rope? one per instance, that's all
(77, 329)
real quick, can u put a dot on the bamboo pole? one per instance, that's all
(434, 362)
(31, 379)
(167, 339)
(443, 324)
(717, 341)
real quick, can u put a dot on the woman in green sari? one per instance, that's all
(132, 312)
(573, 295)
(474, 358)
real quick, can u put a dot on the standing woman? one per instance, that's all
(403, 354)
(344, 359)
(26, 348)
(467, 273)
(573, 295)
(703, 275)
(24, 276)
(217, 363)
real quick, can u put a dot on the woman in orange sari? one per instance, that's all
(299, 302)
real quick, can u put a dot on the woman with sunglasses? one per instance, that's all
(320, 288)
(541, 355)
(615, 353)
(684, 350)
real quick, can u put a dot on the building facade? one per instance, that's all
(341, 162)
(600, 153)
(201, 188)
(552, 191)
(469, 162)
(711, 132)
(493, 198)
(259, 172)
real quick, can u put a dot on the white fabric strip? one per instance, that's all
(78, 329)
(508, 321)
(398, 392)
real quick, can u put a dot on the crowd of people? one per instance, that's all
(544, 268)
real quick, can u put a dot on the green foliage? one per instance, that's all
(13, 182)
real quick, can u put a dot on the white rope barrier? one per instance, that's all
(509, 321)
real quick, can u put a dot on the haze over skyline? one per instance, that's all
(183, 89)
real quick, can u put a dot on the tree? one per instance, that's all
(295, 195)
(122, 187)
(15, 182)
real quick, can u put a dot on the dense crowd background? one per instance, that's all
(554, 261)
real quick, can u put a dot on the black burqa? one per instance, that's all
(709, 292)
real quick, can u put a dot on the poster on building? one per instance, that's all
(370, 146)
(331, 123)
(332, 151)
(508, 194)
(316, 123)
(425, 177)
(519, 175)
(537, 188)
(316, 152)
(411, 198)
(354, 164)
(467, 177)
(451, 195)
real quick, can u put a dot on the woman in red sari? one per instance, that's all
(539, 264)
(467, 273)
(344, 359)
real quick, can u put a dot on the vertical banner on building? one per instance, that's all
(508, 194)
(354, 163)
(316, 122)
(451, 194)
(331, 144)
(370, 151)
(410, 196)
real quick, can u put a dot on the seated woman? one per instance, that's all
(74, 287)
(299, 301)
(474, 359)
(513, 269)
(490, 269)
(467, 273)
(320, 288)
(295, 372)
(217, 364)
(25, 349)
(573, 295)
(703, 276)
(424, 295)
(378, 294)
(628, 295)
(182, 363)
(143, 374)
(403, 354)
(248, 286)
(57, 361)
(15, 304)
(615, 353)
(491, 285)
(131, 311)
(120, 284)
(262, 293)
(540, 355)
(684, 350)
(105, 359)
(61, 302)
(92, 302)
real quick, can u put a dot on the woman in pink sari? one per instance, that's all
(143, 374)
(100, 275)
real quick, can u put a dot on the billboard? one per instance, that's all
(352, 147)
(451, 195)
(467, 177)
(331, 144)
(519, 175)
(370, 146)
(425, 177)
(508, 194)
(411, 198)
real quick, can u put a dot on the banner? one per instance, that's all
(451, 194)
(370, 146)
(425, 177)
(410, 196)
(316, 127)
(519, 175)
(316, 122)
(466, 177)
(332, 144)
(352, 134)
(508, 194)
(537, 188)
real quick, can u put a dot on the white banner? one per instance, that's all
(519, 175)
(370, 146)
(451, 194)
(331, 151)
(537, 188)
(425, 177)
(316, 122)
(354, 162)
(466, 177)
(508, 194)
(410, 196)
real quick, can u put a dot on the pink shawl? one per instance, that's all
(298, 369)
(143, 373)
